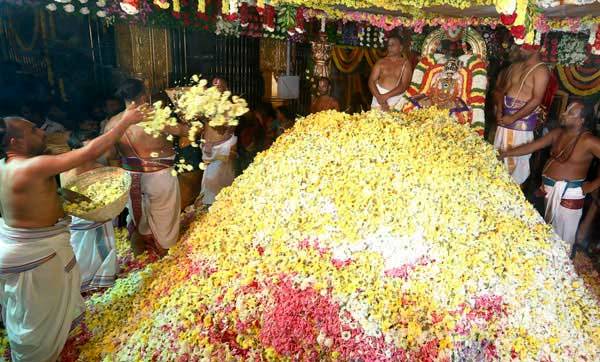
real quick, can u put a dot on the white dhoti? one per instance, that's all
(220, 171)
(154, 206)
(391, 102)
(94, 247)
(564, 206)
(506, 139)
(39, 290)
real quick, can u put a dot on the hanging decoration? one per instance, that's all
(286, 18)
(269, 18)
(299, 25)
(227, 28)
(579, 80)
(163, 4)
(371, 37)
(250, 21)
(92, 8)
(594, 40)
(347, 59)
(277, 19)
(571, 50)
(131, 7)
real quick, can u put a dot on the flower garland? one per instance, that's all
(578, 82)
(82, 7)
(227, 28)
(594, 40)
(521, 17)
(412, 7)
(433, 255)
(571, 50)
(371, 37)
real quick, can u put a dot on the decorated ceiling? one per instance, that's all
(526, 20)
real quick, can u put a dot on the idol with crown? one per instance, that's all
(456, 82)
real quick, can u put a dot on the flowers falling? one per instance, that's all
(220, 108)
(196, 103)
(374, 237)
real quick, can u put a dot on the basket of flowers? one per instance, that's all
(108, 189)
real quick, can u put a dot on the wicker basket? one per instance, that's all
(112, 210)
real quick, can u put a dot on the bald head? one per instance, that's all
(574, 116)
(20, 135)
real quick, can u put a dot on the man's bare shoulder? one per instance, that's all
(542, 70)
(590, 139)
(382, 62)
(515, 66)
(21, 172)
(113, 121)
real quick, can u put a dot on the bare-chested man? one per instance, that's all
(39, 277)
(154, 199)
(390, 76)
(518, 110)
(219, 152)
(573, 149)
(324, 101)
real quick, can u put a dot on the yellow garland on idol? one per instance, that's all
(371, 237)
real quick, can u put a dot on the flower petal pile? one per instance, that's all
(374, 237)
(101, 193)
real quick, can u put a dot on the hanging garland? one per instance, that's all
(371, 37)
(281, 19)
(372, 55)
(85, 7)
(347, 59)
(571, 50)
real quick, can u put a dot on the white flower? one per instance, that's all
(63, 1)
(69, 8)
(101, 3)
(101, 14)
(129, 9)
(84, 10)
(83, 1)
(51, 7)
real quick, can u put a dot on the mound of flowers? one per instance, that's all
(372, 237)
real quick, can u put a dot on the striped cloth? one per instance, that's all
(39, 290)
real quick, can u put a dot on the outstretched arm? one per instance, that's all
(48, 166)
(528, 148)
(540, 79)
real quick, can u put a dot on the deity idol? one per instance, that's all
(457, 84)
